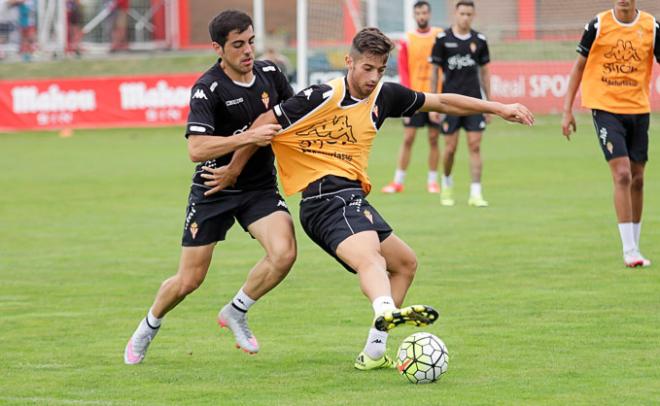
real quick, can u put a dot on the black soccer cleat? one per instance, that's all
(415, 315)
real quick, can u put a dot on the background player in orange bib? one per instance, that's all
(415, 73)
(324, 151)
(614, 67)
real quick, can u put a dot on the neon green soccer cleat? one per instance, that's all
(364, 363)
(447, 196)
(416, 315)
(477, 201)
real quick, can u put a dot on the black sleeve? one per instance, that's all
(656, 44)
(203, 104)
(283, 86)
(437, 53)
(588, 37)
(396, 100)
(298, 106)
(484, 55)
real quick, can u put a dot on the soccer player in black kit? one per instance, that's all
(223, 104)
(463, 55)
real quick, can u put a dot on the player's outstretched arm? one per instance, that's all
(568, 124)
(459, 105)
(225, 176)
(204, 147)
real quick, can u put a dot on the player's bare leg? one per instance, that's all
(622, 179)
(403, 161)
(476, 165)
(447, 191)
(193, 267)
(401, 266)
(275, 234)
(434, 158)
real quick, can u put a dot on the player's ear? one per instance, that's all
(349, 61)
(217, 48)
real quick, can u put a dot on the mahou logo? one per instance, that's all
(137, 96)
(28, 99)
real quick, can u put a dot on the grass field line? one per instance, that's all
(56, 401)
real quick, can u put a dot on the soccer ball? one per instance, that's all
(422, 358)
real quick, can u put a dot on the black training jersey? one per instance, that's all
(393, 100)
(221, 107)
(460, 59)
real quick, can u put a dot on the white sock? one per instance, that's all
(637, 230)
(433, 177)
(447, 181)
(376, 344)
(242, 301)
(475, 189)
(399, 176)
(152, 320)
(383, 303)
(627, 237)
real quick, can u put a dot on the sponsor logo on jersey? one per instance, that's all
(459, 62)
(269, 69)
(213, 86)
(199, 94)
(451, 45)
(330, 131)
(265, 99)
(233, 102)
(282, 203)
(621, 59)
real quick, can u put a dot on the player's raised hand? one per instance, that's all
(218, 178)
(262, 135)
(516, 113)
(568, 125)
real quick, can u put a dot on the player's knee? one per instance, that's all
(408, 141)
(622, 177)
(189, 285)
(409, 265)
(475, 149)
(283, 259)
(637, 182)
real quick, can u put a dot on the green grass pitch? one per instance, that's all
(536, 306)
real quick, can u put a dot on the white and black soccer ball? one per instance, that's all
(422, 358)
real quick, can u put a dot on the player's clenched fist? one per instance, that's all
(262, 135)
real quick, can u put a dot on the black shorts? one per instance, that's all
(451, 124)
(208, 222)
(622, 135)
(333, 209)
(419, 120)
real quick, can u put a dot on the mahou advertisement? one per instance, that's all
(94, 102)
(133, 101)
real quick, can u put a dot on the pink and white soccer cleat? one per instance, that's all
(236, 320)
(634, 258)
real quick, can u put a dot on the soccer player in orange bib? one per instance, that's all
(323, 152)
(614, 66)
(415, 73)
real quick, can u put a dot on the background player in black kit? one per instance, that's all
(463, 55)
(224, 102)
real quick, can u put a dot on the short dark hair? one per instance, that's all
(467, 3)
(371, 40)
(226, 22)
(422, 3)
